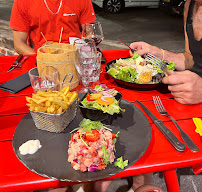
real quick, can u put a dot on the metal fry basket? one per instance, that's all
(55, 122)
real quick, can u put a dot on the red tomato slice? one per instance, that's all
(89, 98)
(94, 136)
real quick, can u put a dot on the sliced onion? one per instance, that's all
(75, 160)
(103, 99)
(92, 168)
(107, 95)
(108, 92)
(98, 88)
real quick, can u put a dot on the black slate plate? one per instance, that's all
(128, 84)
(51, 159)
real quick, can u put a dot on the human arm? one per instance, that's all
(20, 43)
(143, 48)
(183, 60)
(19, 22)
(185, 86)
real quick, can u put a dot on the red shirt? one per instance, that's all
(34, 18)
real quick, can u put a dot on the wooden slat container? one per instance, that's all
(60, 56)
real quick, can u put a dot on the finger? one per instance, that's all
(142, 52)
(180, 100)
(174, 78)
(185, 100)
(178, 94)
(131, 53)
(171, 72)
(136, 45)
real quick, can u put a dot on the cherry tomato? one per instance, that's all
(93, 136)
(89, 98)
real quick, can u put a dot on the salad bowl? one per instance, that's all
(138, 72)
(126, 84)
(98, 114)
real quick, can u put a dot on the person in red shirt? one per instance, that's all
(35, 22)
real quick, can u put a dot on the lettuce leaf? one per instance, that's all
(135, 55)
(120, 163)
(110, 109)
(171, 66)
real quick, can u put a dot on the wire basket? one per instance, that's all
(55, 122)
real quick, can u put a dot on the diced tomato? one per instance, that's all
(106, 144)
(83, 168)
(83, 147)
(89, 98)
(73, 163)
(113, 136)
(94, 154)
(102, 166)
(93, 136)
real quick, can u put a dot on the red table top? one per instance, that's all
(160, 155)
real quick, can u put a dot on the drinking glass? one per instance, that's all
(97, 68)
(46, 80)
(93, 31)
(85, 59)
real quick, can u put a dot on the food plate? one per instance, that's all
(128, 84)
(51, 159)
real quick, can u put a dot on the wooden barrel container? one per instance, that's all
(62, 57)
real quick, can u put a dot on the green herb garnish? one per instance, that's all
(120, 163)
(106, 155)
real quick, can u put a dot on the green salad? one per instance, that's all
(103, 99)
(137, 70)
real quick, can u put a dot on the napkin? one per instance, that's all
(15, 85)
(198, 123)
(72, 39)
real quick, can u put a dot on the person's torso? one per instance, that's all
(66, 23)
(195, 46)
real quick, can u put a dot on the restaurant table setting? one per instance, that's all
(148, 141)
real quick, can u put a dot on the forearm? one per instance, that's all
(20, 43)
(24, 49)
(178, 58)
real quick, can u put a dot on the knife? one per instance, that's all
(179, 146)
(189, 142)
(132, 50)
(16, 62)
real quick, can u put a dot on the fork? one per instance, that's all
(161, 109)
(157, 62)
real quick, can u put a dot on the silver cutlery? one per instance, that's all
(16, 63)
(157, 62)
(161, 109)
(23, 60)
(179, 146)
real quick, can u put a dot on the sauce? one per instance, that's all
(30, 147)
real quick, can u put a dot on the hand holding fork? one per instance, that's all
(161, 109)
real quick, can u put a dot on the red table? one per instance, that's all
(160, 155)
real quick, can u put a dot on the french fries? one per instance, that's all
(51, 102)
